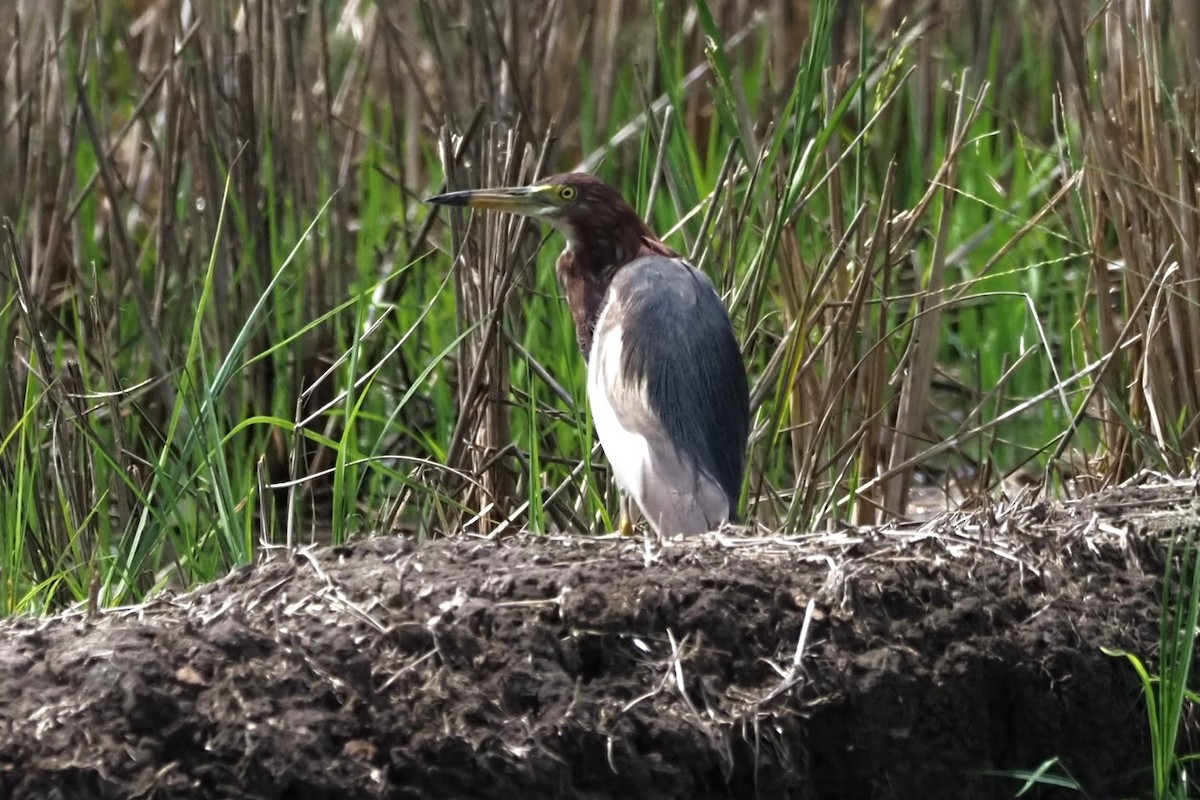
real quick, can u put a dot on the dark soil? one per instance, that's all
(597, 668)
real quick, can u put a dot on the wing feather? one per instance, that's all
(669, 394)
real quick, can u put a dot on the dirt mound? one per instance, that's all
(552, 667)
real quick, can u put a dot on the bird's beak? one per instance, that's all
(529, 200)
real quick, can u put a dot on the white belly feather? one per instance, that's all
(628, 453)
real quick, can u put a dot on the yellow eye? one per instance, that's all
(567, 192)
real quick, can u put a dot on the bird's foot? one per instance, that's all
(625, 526)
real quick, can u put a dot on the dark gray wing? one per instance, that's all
(677, 342)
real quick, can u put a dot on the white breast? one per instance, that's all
(628, 452)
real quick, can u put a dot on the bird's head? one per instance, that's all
(589, 212)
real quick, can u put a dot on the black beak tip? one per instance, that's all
(452, 199)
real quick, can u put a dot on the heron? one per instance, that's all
(666, 381)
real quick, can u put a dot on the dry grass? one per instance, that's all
(1142, 218)
(938, 274)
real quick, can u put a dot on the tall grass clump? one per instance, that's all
(228, 322)
(1133, 124)
(195, 347)
(839, 252)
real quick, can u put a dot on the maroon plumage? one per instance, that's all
(603, 233)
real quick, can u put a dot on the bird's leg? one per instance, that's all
(625, 525)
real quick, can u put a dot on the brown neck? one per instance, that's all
(586, 272)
